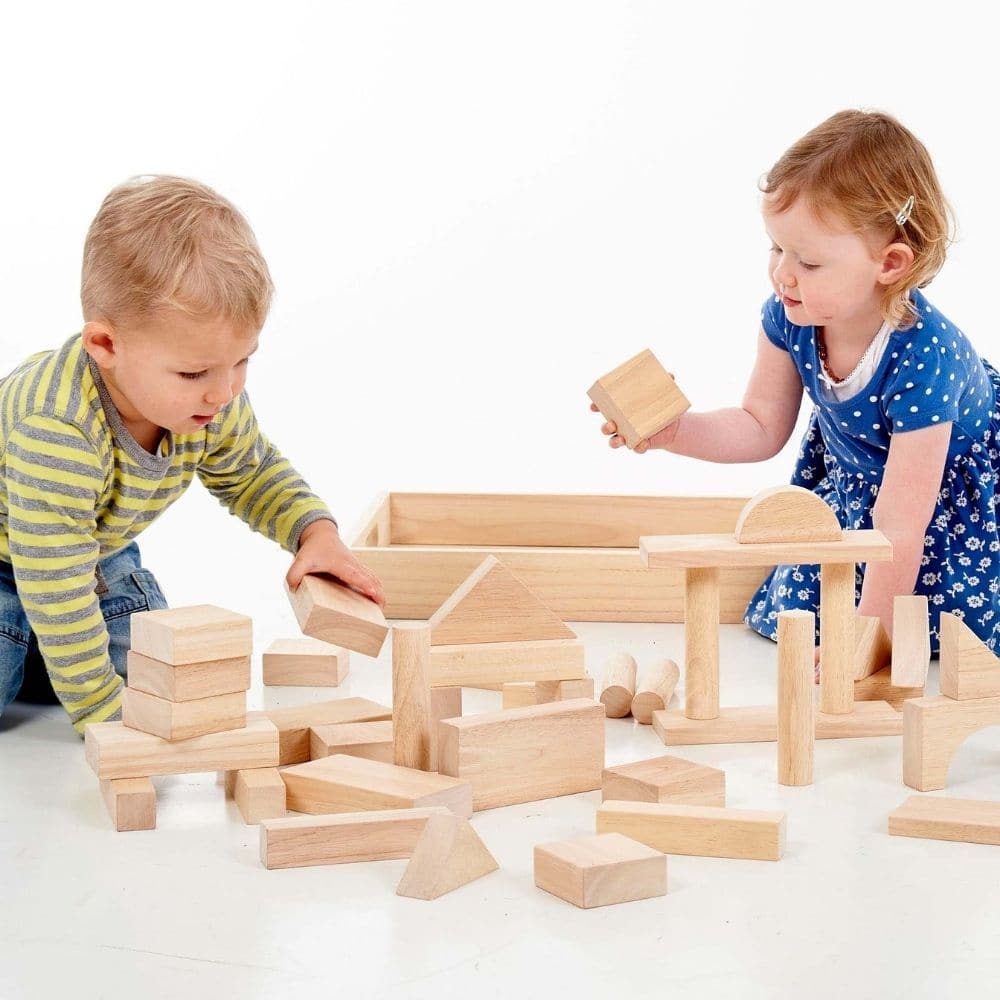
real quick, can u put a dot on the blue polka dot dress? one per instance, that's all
(928, 374)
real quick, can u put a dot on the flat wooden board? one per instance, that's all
(473, 664)
(665, 779)
(295, 721)
(968, 821)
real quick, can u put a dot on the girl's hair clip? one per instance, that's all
(904, 213)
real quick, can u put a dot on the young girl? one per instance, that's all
(903, 434)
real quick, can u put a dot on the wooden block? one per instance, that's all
(759, 724)
(305, 662)
(182, 720)
(328, 610)
(933, 729)
(131, 803)
(879, 687)
(295, 721)
(665, 779)
(411, 696)
(191, 635)
(968, 821)
(786, 514)
(701, 643)
(796, 708)
(523, 693)
(654, 689)
(297, 841)
(525, 753)
(259, 794)
(372, 740)
(188, 681)
(601, 870)
(475, 664)
(446, 703)
(618, 686)
(838, 624)
(872, 649)
(493, 605)
(448, 854)
(115, 751)
(640, 396)
(911, 641)
(968, 668)
(349, 784)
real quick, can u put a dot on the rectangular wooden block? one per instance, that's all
(342, 839)
(115, 751)
(968, 821)
(259, 794)
(188, 681)
(348, 784)
(879, 687)
(473, 664)
(372, 740)
(327, 610)
(305, 662)
(183, 720)
(446, 703)
(525, 754)
(601, 870)
(665, 779)
(703, 831)
(523, 693)
(295, 721)
(131, 803)
(191, 635)
(911, 641)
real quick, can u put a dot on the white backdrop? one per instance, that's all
(471, 210)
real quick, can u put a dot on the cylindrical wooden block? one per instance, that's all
(619, 685)
(836, 639)
(654, 690)
(701, 643)
(796, 705)
(411, 697)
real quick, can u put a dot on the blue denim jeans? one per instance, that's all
(123, 587)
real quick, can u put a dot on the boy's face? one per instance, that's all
(170, 371)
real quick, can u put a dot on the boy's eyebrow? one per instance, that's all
(200, 366)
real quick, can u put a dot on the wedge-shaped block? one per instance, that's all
(115, 751)
(305, 662)
(911, 641)
(182, 720)
(297, 841)
(131, 803)
(348, 784)
(476, 664)
(786, 514)
(640, 396)
(523, 693)
(878, 687)
(872, 648)
(191, 635)
(295, 721)
(968, 668)
(327, 610)
(525, 754)
(703, 831)
(601, 870)
(665, 779)
(259, 794)
(968, 821)
(356, 739)
(188, 681)
(447, 855)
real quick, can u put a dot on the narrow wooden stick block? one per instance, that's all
(191, 635)
(525, 753)
(601, 870)
(523, 693)
(327, 610)
(297, 841)
(702, 831)
(872, 649)
(968, 668)
(259, 794)
(701, 643)
(474, 664)
(786, 514)
(411, 696)
(447, 855)
(348, 784)
(188, 681)
(654, 689)
(131, 803)
(305, 662)
(759, 724)
(837, 617)
(878, 687)
(446, 703)
(618, 686)
(911, 641)
(665, 779)
(372, 740)
(114, 751)
(796, 708)
(968, 821)
(183, 720)
(295, 721)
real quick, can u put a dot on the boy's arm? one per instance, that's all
(54, 477)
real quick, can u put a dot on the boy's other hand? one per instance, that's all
(321, 550)
(615, 439)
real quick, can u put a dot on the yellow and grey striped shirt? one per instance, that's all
(75, 487)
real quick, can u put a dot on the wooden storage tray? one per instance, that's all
(579, 554)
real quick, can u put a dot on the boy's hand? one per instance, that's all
(321, 550)
(658, 440)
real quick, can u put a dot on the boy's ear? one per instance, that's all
(99, 342)
(897, 259)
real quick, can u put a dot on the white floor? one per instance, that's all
(188, 910)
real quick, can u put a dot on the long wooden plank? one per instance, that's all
(503, 662)
(295, 721)
(968, 821)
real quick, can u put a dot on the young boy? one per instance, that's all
(101, 435)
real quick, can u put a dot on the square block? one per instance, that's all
(191, 635)
(259, 794)
(665, 779)
(305, 662)
(188, 681)
(131, 803)
(601, 870)
(326, 609)
(183, 720)
(372, 740)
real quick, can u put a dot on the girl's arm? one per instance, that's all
(903, 509)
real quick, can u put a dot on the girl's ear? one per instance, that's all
(897, 259)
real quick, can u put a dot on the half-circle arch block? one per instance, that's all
(787, 514)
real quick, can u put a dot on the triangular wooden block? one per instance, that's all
(872, 649)
(968, 668)
(492, 605)
(448, 855)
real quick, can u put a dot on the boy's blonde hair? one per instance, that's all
(863, 166)
(162, 243)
